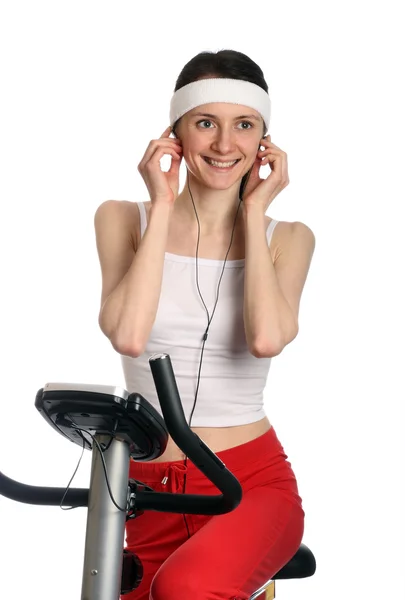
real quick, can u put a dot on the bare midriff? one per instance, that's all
(217, 439)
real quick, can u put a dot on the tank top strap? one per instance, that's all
(270, 230)
(142, 213)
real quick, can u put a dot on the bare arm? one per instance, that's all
(272, 292)
(132, 276)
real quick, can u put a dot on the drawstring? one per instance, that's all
(174, 475)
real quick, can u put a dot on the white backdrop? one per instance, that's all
(85, 86)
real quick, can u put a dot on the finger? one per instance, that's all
(271, 153)
(162, 151)
(265, 156)
(255, 170)
(161, 143)
(271, 145)
(175, 165)
(159, 151)
(165, 140)
(268, 143)
(167, 132)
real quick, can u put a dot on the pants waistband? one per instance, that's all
(235, 459)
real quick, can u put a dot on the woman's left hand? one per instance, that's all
(261, 192)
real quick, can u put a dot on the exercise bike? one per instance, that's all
(116, 426)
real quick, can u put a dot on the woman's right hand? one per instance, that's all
(163, 186)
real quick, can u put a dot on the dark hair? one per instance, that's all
(226, 64)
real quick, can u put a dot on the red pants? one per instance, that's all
(229, 556)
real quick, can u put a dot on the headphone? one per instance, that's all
(204, 338)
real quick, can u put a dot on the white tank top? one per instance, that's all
(232, 380)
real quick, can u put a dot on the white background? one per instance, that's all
(85, 87)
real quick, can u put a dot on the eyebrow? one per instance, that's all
(215, 117)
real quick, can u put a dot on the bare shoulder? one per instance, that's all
(286, 234)
(123, 206)
(127, 212)
(291, 233)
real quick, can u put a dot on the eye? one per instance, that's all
(204, 121)
(249, 125)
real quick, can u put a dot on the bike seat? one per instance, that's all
(302, 564)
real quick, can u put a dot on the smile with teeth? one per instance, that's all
(220, 165)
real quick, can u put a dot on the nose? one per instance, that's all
(224, 142)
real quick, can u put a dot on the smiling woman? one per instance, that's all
(153, 265)
(226, 64)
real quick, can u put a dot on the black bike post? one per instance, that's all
(105, 529)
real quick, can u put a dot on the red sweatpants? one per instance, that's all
(227, 557)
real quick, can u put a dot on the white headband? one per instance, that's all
(234, 91)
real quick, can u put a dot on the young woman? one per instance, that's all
(207, 277)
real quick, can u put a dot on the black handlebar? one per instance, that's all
(187, 441)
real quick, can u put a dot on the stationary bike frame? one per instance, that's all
(116, 426)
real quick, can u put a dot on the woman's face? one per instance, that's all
(223, 132)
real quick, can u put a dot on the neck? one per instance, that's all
(216, 209)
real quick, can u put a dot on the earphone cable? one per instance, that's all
(216, 301)
(103, 463)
